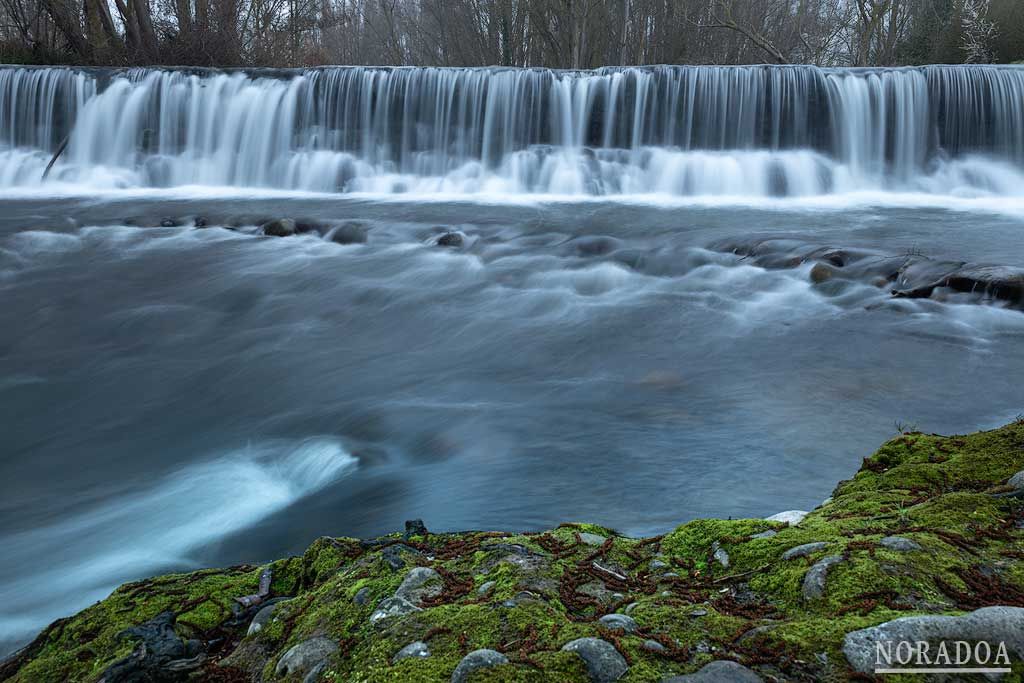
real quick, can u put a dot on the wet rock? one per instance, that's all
(999, 282)
(478, 659)
(722, 671)
(362, 596)
(719, 553)
(453, 240)
(414, 527)
(822, 273)
(791, 517)
(990, 624)
(304, 656)
(814, 579)
(765, 534)
(418, 649)
(653, 646)
(899, 544)
(619, 622)
(592, 539)
(420, 583)
(392, 607)
(604, 663)
(160, 655)
(804, 550)
(597, 245)
(349, 232)
(282, 227)
(169, 223)
(199, 222)
(485, 587)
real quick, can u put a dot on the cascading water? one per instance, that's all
(759, 130)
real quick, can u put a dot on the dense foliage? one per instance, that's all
(573, 34)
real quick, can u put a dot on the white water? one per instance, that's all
(156, 528)
(685, 131)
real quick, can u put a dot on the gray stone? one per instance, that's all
(393, 607)
(282, 227)
(698, 613)
(630, 607)
(315, 674)
(765, 534)
(657, 564)
(619, 622)
(302, 657)
(418, 649)
(420, 583)
(653, 646)
(477, 659)
(791, 517)
(899, 544)
(592, 539)
(414, 527)
(351, 232)
(720, 554)
(814, 579)
(486, 587)
(262, 617)
(804, 550)
(393, 555)
(603, 661)
(990, 624)
(362, 596)
(1017, 480)
(721, 671)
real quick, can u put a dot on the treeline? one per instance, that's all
(574, 34)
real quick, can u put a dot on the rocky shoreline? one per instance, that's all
(923, 544)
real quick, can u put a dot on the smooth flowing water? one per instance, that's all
(175, 397)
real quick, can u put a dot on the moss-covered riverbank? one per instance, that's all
(930, 525)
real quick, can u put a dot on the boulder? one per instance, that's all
(604, 663)
(349, 232)
(814, 579)
(418, 649)
(619, 622)
(1016, 481)
(453, 240)
(477, 659)
(414, 527)
(392, 607)
(804, 550)
(282, 227)
(721, 671)
(899, 544)
(300, 658)
(420, 583)
(990, 624)
(791, 517)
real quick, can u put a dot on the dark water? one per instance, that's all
(174, 397)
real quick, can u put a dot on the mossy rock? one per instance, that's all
(945, 494)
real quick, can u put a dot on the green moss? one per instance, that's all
(933, 490)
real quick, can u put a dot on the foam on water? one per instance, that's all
(155, 529)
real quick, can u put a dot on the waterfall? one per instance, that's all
(680, 130)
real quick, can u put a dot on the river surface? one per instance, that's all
(175, 397)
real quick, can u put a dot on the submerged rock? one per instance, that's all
(350, 232)
(282, 227)
(452, 240)
(604, 663)
(478, 659)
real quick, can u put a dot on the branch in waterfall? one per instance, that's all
(60, 150)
